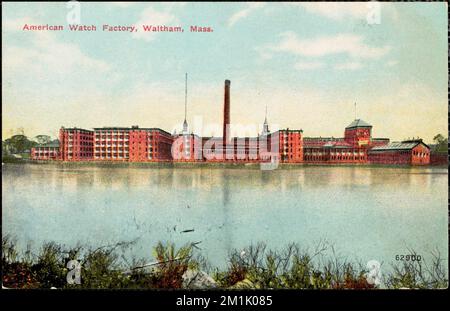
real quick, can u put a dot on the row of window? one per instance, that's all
(113, 145)
(150, 157)
(46, 152)
(421, 154)
(70, 134)
(80, 149)
(337, 158)
(81, 155)
(46, 149)
(332, 153)
(51, 156)
(97, 140)
(82, 143)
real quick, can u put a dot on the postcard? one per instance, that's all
(250, 145)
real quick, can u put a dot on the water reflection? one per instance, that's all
(367, 211)
(203, 179)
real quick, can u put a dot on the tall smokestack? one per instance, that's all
(226, 113)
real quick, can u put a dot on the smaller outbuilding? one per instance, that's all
(412, 152)
(49, 151)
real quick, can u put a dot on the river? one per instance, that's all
(366, 213)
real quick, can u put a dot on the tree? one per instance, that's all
(438, 138)
(441, 143)
(43, 139)
(18, 144)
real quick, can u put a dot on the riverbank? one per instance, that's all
(184, 267)
(208, 165)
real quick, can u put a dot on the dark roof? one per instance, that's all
(380, 139)
(404, 145)
(293, 131)
(49, 145)
(324, 138)
(75, 129)
(358, 123)
(330, 147)
(287, 130)
(113, 128)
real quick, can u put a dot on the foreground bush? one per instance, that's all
(254, 268)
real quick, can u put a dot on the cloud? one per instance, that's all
(338, 11)
(348, 66)
(54, 57)
(263, 52)
(151, 16)
(122, 4)
(244, 12)
(173, 5)
(344, 43)
(309, 65)
(392, 63)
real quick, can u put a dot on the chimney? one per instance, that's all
(226, 112)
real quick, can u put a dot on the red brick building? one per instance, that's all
(132, 144)
(286, 146)
(48, 151)
(111, 144)
(411, 152)
(76, 144)
(238, 149)
(438, 158)
(291, 146)
(187, 148)
(358, 133)
(352, 148)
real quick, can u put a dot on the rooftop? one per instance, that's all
(76, 129)
(49, 145)
(358, 123)
(403, 145)
(134, 127)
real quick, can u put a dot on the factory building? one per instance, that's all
(76, 144)
(134, 144)
(49, 151)
(352, 148)
(412, 152)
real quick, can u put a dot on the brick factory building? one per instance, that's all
(291, 146)
(76, 144)
(49, 151)
(352, 148)
(412, 152)
(134, 144)
(187, 148)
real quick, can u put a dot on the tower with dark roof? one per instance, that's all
(358, 133)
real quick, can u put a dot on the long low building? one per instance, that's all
(48, 151)
(413, 152)
(352, 148)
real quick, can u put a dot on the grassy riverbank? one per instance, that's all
(256, 268)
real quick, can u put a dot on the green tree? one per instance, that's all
(441, 143)
(18, 144)
(43, 139)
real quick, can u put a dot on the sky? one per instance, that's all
(307, 62)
